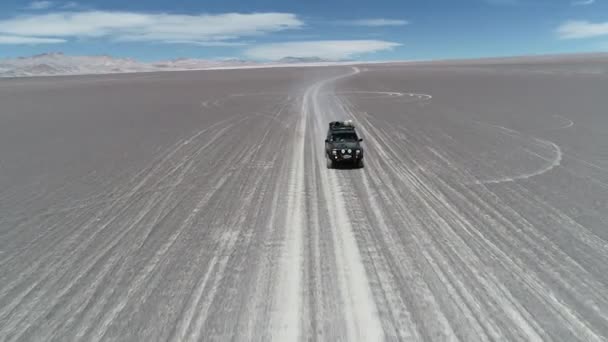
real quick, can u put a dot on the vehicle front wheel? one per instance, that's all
(330, 163)
(360, 164)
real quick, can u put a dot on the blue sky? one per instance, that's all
(269, 29)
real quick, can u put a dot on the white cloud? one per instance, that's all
(582, 29)
(375, 22)
(207, 43)
(131, 26)
(583, 2)
(17, 40)
(39, 5)
(328, 49)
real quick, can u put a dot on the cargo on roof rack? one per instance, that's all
(340, 125)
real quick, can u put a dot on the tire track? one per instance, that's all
(361, 321)
(457, 251)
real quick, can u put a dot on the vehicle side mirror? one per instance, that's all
(326, 140)
(360, 139)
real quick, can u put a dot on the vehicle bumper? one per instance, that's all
(345, 158)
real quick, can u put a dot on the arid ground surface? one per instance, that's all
(198, 206)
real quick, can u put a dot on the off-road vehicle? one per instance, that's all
(343, 145)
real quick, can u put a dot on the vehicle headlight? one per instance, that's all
(350, 151)
(343, 151)
(358, 151)
(334, 152)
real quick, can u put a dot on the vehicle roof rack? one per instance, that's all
(341, 125)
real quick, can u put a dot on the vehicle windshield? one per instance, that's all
(342, 137)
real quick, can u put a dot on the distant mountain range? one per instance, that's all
(57, 63)
(305, 60)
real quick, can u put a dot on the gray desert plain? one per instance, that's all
(197, 206)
